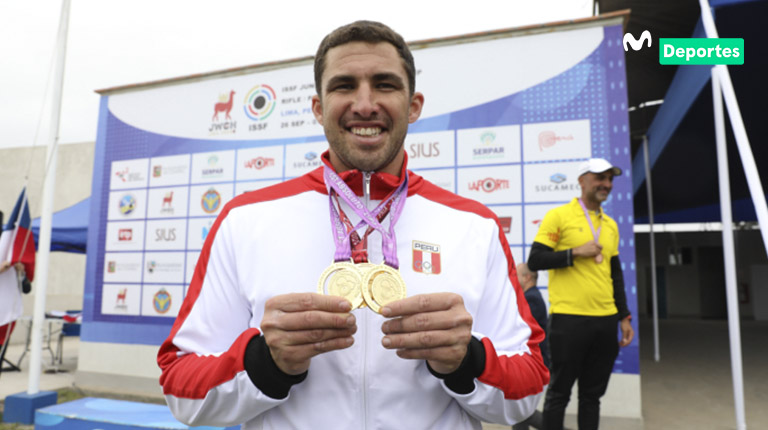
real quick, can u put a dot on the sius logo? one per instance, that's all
(424, 150)
(163, 235)
(637, 44)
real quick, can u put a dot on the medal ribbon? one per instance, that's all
(595, 234)
(359, 246)
(342, 238)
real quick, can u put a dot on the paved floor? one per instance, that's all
(689, 389)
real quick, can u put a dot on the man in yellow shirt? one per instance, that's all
(579, 245)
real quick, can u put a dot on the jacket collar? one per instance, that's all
(382, 184)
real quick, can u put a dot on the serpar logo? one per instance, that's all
(487, 149)
(426, 258)
(637, 44)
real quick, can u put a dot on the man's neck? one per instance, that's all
(590, 204)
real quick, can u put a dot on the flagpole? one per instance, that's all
(46, 218)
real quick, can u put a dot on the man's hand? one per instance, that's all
(300, 326)
(433, 327)
(589, 249)
(626, 332)
(5, 265)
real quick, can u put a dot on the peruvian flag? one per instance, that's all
(17, 244)
(426, 258)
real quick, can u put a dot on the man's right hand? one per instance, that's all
(299, 326)
(589, 249)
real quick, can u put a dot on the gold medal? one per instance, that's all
(381, 285)
(364, 268)
(599, 258)
(342, 279)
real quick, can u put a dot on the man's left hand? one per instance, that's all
(627, 333)
(434, 327)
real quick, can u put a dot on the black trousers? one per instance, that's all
(583, 348)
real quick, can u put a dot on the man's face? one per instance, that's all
(596, 186)
(365, 107)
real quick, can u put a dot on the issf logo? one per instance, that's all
(260, 102)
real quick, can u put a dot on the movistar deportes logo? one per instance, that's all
(637, 44)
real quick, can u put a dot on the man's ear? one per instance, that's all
(414, 111)
(317, 108)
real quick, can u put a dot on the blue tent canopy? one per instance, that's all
(70, 228)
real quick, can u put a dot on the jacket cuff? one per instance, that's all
(462, 380)
(264, 373)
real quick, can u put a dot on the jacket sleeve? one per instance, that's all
(619, 295)
(509, 375)
(203, 361)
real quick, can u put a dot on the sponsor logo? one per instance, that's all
(167, 203)
(111, 266)
(259, 163)
(489, 185)
(548, 139)
(260, 102)
(162, 301)
(488, 149)
(426, 258)
(120, 301)
(424, 150)
(224, 105)
(154, 267)
(165, 235)
(126, 175)
(157, 171)
(506, 224)
(213, 170)
(211, 201)
(636, 44)
(115, 266)
(127, 204)
(310, 160)
(557, 182)
(125, 234)
(151, 266)
(207, 229)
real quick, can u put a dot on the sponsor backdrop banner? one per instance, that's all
(506, 122)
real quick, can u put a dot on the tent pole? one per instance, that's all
(654, 285)
(46, 218)
(729, 254)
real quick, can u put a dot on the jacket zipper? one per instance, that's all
(367, 199)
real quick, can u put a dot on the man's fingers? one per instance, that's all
(308, 337)
(427, 339)
(421, 303)
(310, 320)
(297, 302)
(443, 320)
(453, 353)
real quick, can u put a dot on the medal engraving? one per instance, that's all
(342, 279)
(381, 285)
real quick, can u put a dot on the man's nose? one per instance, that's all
(365, 103)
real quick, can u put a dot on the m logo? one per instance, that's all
(636, 44)
(426, 258)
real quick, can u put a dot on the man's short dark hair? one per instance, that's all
(370, 32)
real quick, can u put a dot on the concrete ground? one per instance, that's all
(690, 388)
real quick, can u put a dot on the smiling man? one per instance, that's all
(579, 244)
(432, 331)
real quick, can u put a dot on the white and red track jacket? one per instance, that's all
(216, 368)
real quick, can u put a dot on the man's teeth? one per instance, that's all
(366, 131)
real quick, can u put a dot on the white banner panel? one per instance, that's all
(551, 182)
(488, 145)
(164, 267)
(121, 299)
(303, 158)
(443, 178)
(127, 205)
(499, 184)
(129, 174)
(170, 170)
(511, 219)
(122, 266)
(161, 300)
(434, 149)
(191, 263)
(563, 140)
(166, 235)
(260, 163)
(207, 200)
(216, 166)
(171, 202)
(244, 187)
(197, 232)
(125, 236)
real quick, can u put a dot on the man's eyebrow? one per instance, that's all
(379, 77)
(339, 79)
